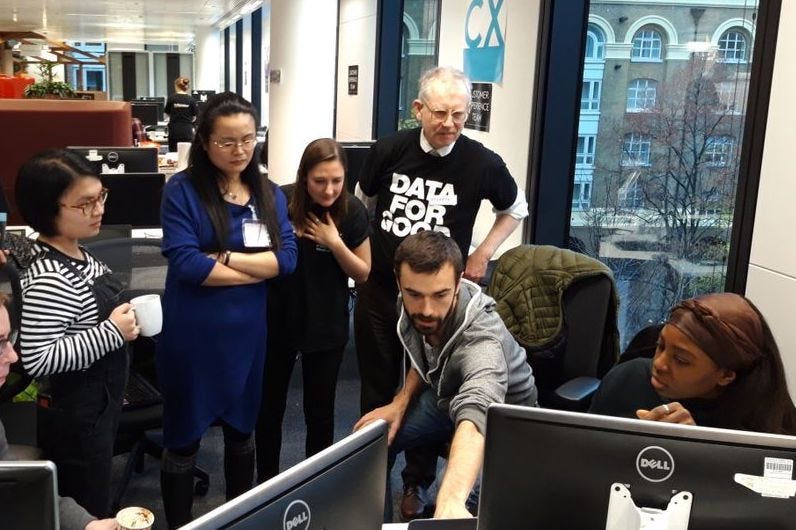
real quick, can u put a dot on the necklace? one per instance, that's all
(232, 195)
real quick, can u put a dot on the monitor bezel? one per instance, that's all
(285, 482)
(46, 471)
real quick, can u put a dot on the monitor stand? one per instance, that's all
(623, 514)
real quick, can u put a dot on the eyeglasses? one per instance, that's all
(10, 340)
(90, 205)
(458, 116)
(229, 144)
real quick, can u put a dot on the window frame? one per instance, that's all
(638, 49)
(651, 85)
(721, 54)
(640, 142)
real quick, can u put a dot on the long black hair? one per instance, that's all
(205, 176)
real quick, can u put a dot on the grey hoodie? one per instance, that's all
(479, 361)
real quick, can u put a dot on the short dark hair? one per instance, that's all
(42, 181)
(427, 251)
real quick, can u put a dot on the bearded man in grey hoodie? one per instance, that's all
(462, 360)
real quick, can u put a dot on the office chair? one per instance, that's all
(560, 305)
(141, 267)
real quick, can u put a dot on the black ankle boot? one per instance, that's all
(238, 469)
(177, 490)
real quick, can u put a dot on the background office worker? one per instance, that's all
(225, 232)
(462, 360)
(182, 110)
(716, 364)
(75, 324)
(70, 515)
(310, 307)
(428, 178)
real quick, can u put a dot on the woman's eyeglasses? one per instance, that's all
(90, 205)
(229, 144)
(10, 340)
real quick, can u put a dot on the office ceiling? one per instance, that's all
(116, 21)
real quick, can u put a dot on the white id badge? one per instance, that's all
(255, 234)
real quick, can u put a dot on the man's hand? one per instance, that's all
(393, 414)
(102, 524)
(476, 266)
(672, 412)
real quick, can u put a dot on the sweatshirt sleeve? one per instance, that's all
(484, 375)
(71, 515)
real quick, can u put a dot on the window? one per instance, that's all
(590, 96)
(581, 196)
(641, 95)
(719, 150)
(631, 194)
(647, 45)
(732, 47)
(418, 53)
(636, 150)
(586, 148)
(595, 44)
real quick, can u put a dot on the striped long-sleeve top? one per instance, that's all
(60, 330)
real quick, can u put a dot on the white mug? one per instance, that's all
(148, 314)
(135, 518)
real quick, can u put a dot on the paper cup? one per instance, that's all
(135, 518)
(148, 314)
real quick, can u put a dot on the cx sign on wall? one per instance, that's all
(484, 35)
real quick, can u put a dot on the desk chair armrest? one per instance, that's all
(576, 393)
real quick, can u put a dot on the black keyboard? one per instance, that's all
(140, 393)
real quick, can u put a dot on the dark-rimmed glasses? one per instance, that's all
(10, 340)
(90, 205)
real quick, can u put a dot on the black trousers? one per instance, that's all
(319, 371)
(380, 357)
(179, 132)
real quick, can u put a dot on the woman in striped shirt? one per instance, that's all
(74, 325)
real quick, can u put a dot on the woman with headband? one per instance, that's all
(716, 364)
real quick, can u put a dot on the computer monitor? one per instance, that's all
(112, 159)
(202, 95)
(160, 101)
(28, 497)
(147, 112)
(340, 488)
(553, 469)
(355, 153)
(133, 199)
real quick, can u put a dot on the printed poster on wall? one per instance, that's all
(480, 107)
(484, 36)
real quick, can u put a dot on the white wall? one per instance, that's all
(265, 57)
(208, 60)
(771, 283)
(247, 58)
(357, 46)
(510, 125)
(303, 35)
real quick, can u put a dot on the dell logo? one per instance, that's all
(655, 464)
(113, 157)
(297, 516)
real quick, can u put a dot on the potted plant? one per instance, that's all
(47, 88)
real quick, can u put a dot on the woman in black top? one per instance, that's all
(181, 108)
(716, 364)
(309, 310)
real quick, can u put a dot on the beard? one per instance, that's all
(426, 325)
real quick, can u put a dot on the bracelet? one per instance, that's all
(227, 254)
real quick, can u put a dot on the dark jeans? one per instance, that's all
(380, 357)
(425, 426)
(319, 371)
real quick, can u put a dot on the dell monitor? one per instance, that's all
(355, 153)
(111, 159)
(551, 469)
(28, 497)
(340, 488)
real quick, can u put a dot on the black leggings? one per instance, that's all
(319, 370)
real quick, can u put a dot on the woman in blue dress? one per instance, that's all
(225, 233)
